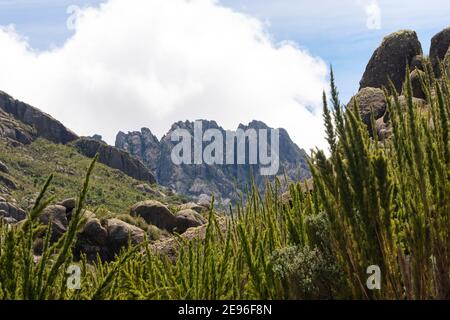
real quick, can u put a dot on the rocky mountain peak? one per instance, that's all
(202, 180)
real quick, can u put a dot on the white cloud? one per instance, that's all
(373, 12)
(135, 63)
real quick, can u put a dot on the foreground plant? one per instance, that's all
(374, 203)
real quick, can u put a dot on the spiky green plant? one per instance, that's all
(374, 202)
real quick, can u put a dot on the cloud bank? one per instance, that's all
(136, 63)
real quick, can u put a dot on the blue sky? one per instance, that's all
(149, 63)
(333, 30)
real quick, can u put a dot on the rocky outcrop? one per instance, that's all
(106, 239)
(155, 213)
(225, 182)
(192, 206)
(56, 215)
(369, 100)
(418, 62)
(44, 125)
(390, 60)
(416, 84)
(188, 218)
(447, 61)
(15, 131)
(115, 158)
(440, 44)
(145, 188)
(10, 210)
(120, 232)
(143, 145)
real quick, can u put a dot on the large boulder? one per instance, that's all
(447, 61)
(440, 44)
(69, 204)
(192, 206)
(369, 99)
(92, 241)
(418, 62)
(417, 88)
(115, 158)
(155, 213)
(56, 215)
(186, 219)
(145, 188)
(9, 210)
(94, 232)
(384, 129)
(45, 126)
(120, 233)
(390, 60)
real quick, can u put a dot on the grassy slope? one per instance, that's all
(109, 189)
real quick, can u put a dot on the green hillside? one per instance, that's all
(30, 165)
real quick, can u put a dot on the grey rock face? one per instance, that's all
(192, 206)
(390, 60)
(188, 218)
(143, 145)
(9, 210)
(15, 131)
(416, 85)
(418, 62)
(44, 125)
(440, 44)
(369, 99)
(69, 204)
(447, 61)
(119, 232)
(95, 232)
(115, 158)
(225, 182)
(155, 213)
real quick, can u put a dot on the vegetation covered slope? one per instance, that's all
(30, 165)
(383, 203)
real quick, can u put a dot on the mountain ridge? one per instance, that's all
(226, 182)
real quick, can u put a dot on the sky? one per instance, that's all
(104, 66)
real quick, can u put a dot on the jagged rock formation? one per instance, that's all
(114, 158)
(44, 125)
(391, 59)
(225, 182)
